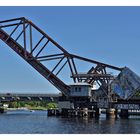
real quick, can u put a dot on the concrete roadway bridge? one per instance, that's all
(9, 97)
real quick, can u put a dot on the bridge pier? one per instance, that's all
(97, 113)
(124, 114)
(116, 113)
(80, 112)
(91, 113)
(110, 113)
(53, 112)
(85, 112)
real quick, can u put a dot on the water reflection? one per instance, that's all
(26, 122)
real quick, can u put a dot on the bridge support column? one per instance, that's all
(97, 113)
(85, 112)
(124, 114)
(53, 112)
(116, 113)
(110, 113)
(91, 114)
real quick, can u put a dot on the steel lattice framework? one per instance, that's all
(33, 45)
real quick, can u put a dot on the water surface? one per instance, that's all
(37, 122)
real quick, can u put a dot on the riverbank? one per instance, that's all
(29, 108)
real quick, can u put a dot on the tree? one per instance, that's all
(52, 105)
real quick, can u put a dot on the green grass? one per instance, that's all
(37, 108)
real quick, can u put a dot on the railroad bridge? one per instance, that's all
(96, 87)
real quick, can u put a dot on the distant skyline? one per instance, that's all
(107, 34)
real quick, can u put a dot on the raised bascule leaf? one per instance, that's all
(126, 84)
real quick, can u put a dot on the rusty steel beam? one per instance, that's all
(14, 19)
(37, 44)
(34, 63)
(9, 25)
(53, 55)
(96, 62)
(49, 38)
(42, 48)
(32, 56)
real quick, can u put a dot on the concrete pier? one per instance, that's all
(85, 112)
(110, 113)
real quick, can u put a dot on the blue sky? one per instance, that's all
(107, 34)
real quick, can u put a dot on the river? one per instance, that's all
(37, 122)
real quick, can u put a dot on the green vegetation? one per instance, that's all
(34, 105)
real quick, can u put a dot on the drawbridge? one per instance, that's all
(50, 59)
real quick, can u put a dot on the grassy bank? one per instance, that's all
(33, 105)
(37, 108)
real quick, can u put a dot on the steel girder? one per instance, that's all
(35, 53)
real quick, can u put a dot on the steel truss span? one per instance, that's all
(39, 50)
